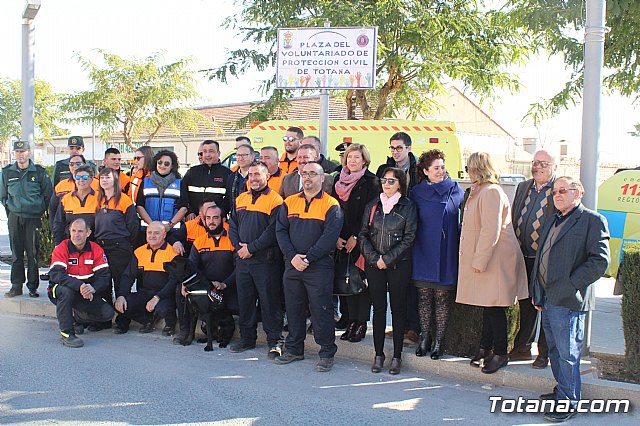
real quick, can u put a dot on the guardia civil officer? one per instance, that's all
(61, 169)
(25, 191)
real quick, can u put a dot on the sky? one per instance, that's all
(192, 28)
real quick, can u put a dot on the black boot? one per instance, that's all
(484, 356)
(360, 332)
(351, 328)
(437, 351)
(424, 347)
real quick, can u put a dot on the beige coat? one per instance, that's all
(488, 243)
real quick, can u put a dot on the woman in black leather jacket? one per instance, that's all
(385, 239)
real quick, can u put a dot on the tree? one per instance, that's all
(46, 113)
(136, 98)
(558, 28)
(420, 44)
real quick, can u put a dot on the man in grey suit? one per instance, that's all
(573, 254)
(291, 183)
(532, 207)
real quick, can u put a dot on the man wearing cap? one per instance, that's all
(25, 191)
(61, 168)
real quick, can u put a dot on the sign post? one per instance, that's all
(326, 58)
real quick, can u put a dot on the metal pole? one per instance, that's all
(93, 136)
(28, 85)
(593, 58)
(324, 112)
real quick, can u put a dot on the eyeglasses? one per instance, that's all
(75, 163)
(166, 163)
(83, 177)
(289, 138)
(562, 191)
(138, 158)
(398, 148)
(199, 154)
(538, 163)
(242, 155)
(390, 181)
(309, 174)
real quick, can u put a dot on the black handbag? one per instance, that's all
(348, 280)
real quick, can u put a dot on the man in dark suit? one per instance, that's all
(532, 207)
(291, 183)
(573, 254)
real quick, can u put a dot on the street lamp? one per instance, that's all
(28, 76)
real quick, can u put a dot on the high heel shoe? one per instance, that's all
(484, 356)
(495, 363)
(378, 362)
(424, 347)
(438, 350)
(396, 363)
(360, 332)
(351, 328)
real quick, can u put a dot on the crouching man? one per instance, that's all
(79, 271)
(155, 288)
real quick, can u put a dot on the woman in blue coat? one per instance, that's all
(435, 250)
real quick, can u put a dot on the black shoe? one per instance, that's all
(437, 351)
(324, 365)
(396, 364)
(495, 363)
(548, 396)
(13, 292)
(69, 339)
(119, 330)
(168, 330)
(540, 362)
(34, 293)
(241, 347)
(424, 347)
(181, 340)
(78, 328)
(484, 355)
(378, 363)
(288, 358)
(351, 328)
(360, 332)
(147, 328)
(555, 416)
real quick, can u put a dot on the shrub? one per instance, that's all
(630, 274)
(45, 242)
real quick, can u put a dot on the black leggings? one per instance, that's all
(435, 303)
(494, 330)
(396, 280)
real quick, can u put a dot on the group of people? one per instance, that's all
(267, 233)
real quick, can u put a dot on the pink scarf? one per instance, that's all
(347, 181)
(389, 202)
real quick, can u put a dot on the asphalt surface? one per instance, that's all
(144, 379)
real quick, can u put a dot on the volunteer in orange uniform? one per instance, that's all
(68, 185)
(112, 159)
(269, 156)
(291, 139)
(143, 165)
(82, 202)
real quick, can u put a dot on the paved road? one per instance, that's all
(143, 379)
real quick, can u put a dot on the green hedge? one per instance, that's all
(630, 274)
(465, 329)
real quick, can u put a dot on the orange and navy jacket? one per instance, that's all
(125, 181)
(72, 207)
(274, 182)
(214, 258)
(72, 267)
(311, 228)
(136, 181)
(116, 221)
(288, 166)
(254, 222)
(63, 187)
(147, 269)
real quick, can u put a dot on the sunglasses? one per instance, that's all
(75, 163)
(538, 163)
(83, 177)
(289, 138)
(390, 181)
(166, 163)
(199, 154)
(138, 158)
(399, 148)
(309, 174)
(562, 191)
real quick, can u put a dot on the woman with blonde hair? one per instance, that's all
(492, 273)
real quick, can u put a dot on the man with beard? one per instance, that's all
(253, 233)
(212, 254)
(291, 139)
(307, 230)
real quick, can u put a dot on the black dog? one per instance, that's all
(205, 302)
